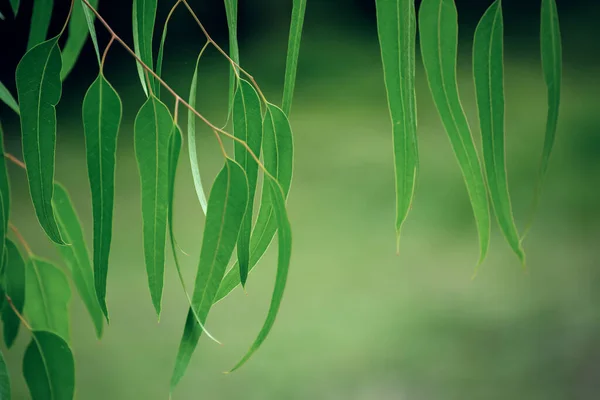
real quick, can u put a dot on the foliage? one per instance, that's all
(37, 294)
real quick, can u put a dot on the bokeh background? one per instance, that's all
(358, 321)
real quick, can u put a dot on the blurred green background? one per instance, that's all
(357, 321)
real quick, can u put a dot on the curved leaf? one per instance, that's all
(226, 207)
(39, 89)
(40, 22)
(5, 392)
(47, 297)
(102, 111)
(14, 283)
(8, 98)
(284, 239)
(396, 27)
(15, 6)
(488, 71)
(438, 29)
(231, 11)
(76, 255)
(293, 51)
(4, 198)
(80, 23)
(49, 368)
(152, 132)
(278, 155)
(247, 126)
(144, 16)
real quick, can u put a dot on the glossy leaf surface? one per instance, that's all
(293, 52)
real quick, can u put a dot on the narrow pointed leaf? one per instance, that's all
(40, 22)
(15, 6)
(278, 155)
(161, 52)
(76, 255)
(293, 51)
(231, 10)
(102, 112)
(8, 98)
(191, 127)
(438, 29)
(152, 132)
(284, 239)
(247, 126)
(78, 34)
(226, 207)
(47, 297)
(5, 392)
(39, 89)
(14, 282)
(488, 70)
(396, 26)
(144, 16)
(49, 367)
(4, 198)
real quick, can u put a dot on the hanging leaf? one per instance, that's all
(152, 131)
(396, 27)
(49, 368)
(439, 40)
(144, 16)
(40, 22)
(293, 51)
(47, 297)
(102, 111)
(39, 89)
(15, 6)
(4, 198)
(488, 65)
(247, 126)
(8, 98)
(79, 26)
(226, 207)
(76, 255)
(191, 127)
(231, 11)
(14, 283)
(284, 238)
(5, 392)
(278, 155)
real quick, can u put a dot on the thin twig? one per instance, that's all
(17, 313)
(15, 160)
(112, 39)
(21, 239)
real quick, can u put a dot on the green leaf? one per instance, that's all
(231, 11)
(15, 6)
(47, 297)
(144, 16)
(247, 126)
(439, 39)
(8, 98)
(152, 132)
(14, 283)
(80, 23)
(191, 127)
(396, 27)
(293, 51)
(40, 22)
(278, 155)
(4, 198)
(226, 207)
(488, 71)
(76, 255)
(39, 89)
(49, 368)
(102, 112)
(284, 238)
(5, 392)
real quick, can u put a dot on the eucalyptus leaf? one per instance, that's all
(14, 283)
(226, 207)
(144, 16)
(40, 22)
(15, 6)
(5, 392)
(76, 255)
(438, 29)
(47, 297)
(488, 71)
(293, 52)
(247, 126)
(175, 144)
(4, 198)
(49, 368)
(396, 26)
(278, 155)
(8, 98)
(39, 89)
(78, 34)
(284, 239)
(152, 132)
(231, 11)
(102, 111)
